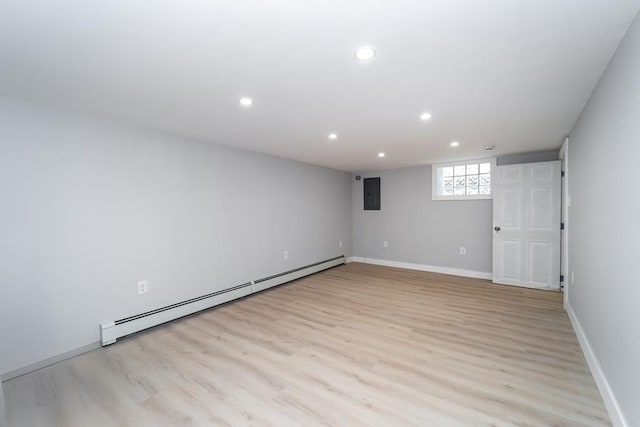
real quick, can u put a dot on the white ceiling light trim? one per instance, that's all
(365, 53)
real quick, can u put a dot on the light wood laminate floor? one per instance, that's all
(354, 345)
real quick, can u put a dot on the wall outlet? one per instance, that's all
(463, 250)
(285, 255)
(385, 244)
(340, 244)
(143, 287)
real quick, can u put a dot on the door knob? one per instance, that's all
(497, 228)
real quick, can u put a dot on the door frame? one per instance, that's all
(566, 205)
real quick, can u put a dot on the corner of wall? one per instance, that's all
(3, 408)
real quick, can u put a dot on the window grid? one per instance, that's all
(467, 180)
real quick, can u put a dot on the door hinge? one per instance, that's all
(562, 174)
(562, 226)
(561, 278)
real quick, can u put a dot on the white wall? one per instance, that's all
(90, 207)
(420, 230)
(605, 225)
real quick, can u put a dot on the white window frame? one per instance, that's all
(434, 180)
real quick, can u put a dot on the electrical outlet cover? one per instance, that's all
(143, 287)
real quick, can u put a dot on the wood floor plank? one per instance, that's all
(354, 345)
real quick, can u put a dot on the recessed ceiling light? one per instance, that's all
(381, 154)
(455, 143)
(333, 136)
(246, 102)
(489, 147)
(425, 116)
(365, 53)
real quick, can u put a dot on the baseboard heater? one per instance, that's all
(113, 330)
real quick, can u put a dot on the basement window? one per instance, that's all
(463, 180)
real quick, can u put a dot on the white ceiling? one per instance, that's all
(511, 73)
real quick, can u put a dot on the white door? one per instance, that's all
(526, 225)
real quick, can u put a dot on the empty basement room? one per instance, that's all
(299, 213)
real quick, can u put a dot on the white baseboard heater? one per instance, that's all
(115, 329)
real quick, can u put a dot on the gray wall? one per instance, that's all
(604, 234)
(3, 408)
(420, 230)
(532, 157)
(90, 207)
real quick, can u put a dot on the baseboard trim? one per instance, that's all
(610, 401)
(49, 361)
(422, 267)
